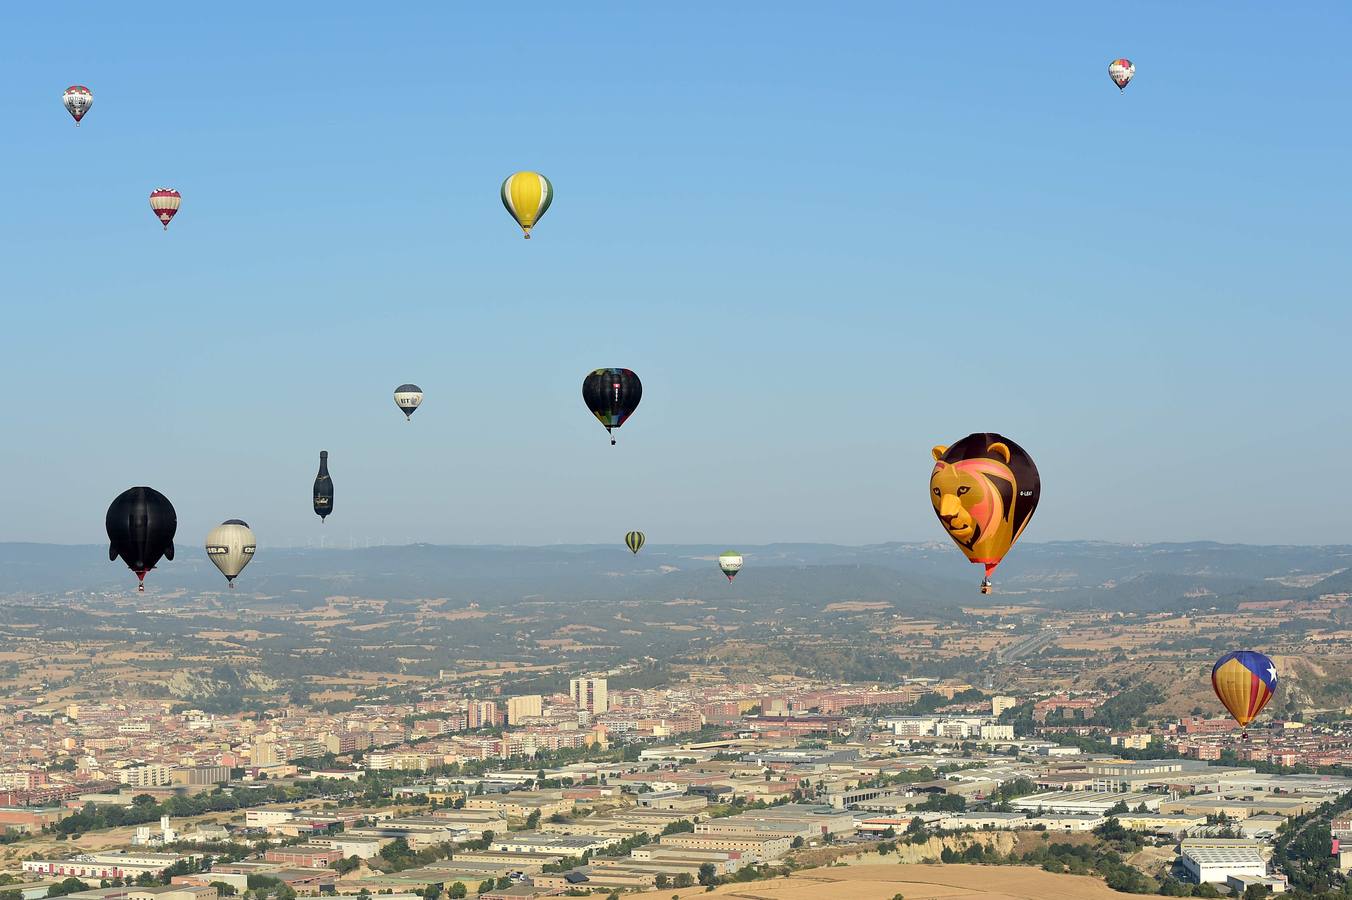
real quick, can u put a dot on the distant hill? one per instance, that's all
(912, 577)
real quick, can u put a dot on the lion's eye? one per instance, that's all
(962, 490)
(936, 492)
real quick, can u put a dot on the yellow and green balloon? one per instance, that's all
(527, 196)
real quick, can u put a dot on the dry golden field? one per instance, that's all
(914, 882)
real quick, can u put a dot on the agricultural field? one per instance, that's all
(914, 882)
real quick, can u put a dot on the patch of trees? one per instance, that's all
(397, 855)
(144, 808)
(1126, 708)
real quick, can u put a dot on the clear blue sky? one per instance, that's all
(826, 236)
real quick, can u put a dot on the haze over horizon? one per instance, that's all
(826, 240)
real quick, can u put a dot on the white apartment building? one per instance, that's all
(149, 775)
(519, 708)
(589, 694)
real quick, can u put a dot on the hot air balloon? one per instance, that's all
(323, 488)
(408, 397)
(231, 545)
(77, 99)
(730, 562)
(165, 202)
(1121, 71)
(634, 541)
(141, 523)
(612, 395)
(1245, 681)
(527, 196)
(984, 489)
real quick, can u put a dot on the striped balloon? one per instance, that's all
(634, 541)
(408, 397)
(1245, 681)
(77, 99)
(527, 196)
(164, 202)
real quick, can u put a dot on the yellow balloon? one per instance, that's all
(527, 196)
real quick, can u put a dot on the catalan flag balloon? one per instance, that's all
(1245, 681)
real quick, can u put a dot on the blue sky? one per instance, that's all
(825, 238)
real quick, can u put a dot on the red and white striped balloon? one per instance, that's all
(77, 99)
(164, 202)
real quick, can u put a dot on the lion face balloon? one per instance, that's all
(984, 489)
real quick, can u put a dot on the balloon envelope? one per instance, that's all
(527, 196)
(634, 540)
(230, 545)
(612, 395)
(1244, 680)
(984, 490)
(1121, 71)
(164, 202)
(77, 99)
(730, 561)
(141, 523)
(408, 397)
(323, 488)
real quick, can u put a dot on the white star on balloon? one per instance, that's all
(1272, 672)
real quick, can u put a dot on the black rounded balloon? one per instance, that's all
(141, 523)
(612, 395)
(323, 487)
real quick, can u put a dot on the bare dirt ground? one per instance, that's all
(914, 882)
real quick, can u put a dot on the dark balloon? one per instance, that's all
(141, 523)
(612, 395)
(323, 487)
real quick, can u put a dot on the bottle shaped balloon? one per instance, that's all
(408, 397)
(1121, 71)
(984, 490)
(77, 100)
(141, 523)
(612, 395)
(1244, 681)
(634, 540)
(164, 202)
(323, 488)
(230, 546)
(730, 562)
(527, 196)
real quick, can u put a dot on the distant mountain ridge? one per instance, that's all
(911, 576)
